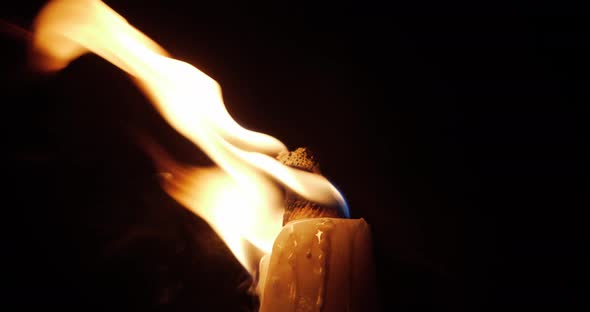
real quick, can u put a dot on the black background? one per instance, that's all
(457, 130)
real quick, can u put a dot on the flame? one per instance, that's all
(240, 198)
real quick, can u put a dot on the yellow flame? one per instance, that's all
(240, 198)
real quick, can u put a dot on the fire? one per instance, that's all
(240, 198)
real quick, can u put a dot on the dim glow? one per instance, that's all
(239, 198)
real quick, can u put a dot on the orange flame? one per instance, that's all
(240, 198)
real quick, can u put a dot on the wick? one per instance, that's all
(297, 207)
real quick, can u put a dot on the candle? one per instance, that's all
(319, 264)
(319, 261)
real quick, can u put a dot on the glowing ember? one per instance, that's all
(239, 199)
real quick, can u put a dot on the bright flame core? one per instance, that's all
(240, 199)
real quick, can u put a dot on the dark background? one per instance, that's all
(457, 130)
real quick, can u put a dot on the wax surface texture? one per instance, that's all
(320, 264)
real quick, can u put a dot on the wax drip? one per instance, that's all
(325, 226)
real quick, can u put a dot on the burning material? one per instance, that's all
(240, 198)
(297, 207)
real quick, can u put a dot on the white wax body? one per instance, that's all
(322, 264)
